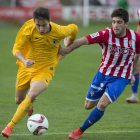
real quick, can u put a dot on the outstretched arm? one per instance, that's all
(67, 42)
(82, 41)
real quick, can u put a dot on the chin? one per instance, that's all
(117, 34)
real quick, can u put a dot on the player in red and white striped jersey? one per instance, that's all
(119, 46)
(134, 97)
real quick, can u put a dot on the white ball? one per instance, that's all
(37, 124)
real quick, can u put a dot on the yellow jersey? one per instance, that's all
(43, 49)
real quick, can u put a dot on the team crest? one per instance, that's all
(92, 92)
(54, 42)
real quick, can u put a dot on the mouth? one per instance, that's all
(116, 29)
(42, 33)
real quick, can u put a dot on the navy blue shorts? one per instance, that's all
(101, 84)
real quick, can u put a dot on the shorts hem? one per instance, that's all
(91, 99)
(108, 97)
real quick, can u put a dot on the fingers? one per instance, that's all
(132, 80)
(29, 63)
(61, 58)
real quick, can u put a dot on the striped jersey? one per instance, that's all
(118, 52)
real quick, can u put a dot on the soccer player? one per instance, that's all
(36, 48)
(119, 46)
(134, 97)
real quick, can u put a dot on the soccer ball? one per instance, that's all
(37, 124)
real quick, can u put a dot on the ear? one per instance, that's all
(126, 24)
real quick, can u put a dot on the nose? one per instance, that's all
(116, 24)
(41, 28)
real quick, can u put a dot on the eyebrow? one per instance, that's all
(41, 25)
(118, 20)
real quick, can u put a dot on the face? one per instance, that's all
(119, 26)
(43, 26)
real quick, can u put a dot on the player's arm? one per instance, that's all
(22, 38)
(68, 41)
(90, 39)
(69, 33)
(75, 45)
(135, 63)
(27, 62)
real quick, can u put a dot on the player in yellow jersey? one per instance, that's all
(36, 49)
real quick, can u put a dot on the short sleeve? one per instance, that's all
(71, 30)
(97, 37)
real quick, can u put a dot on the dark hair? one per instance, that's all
(41, 13)
(122, 13)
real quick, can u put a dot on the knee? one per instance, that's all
(18, 101)
(101, 106)
(87, 107)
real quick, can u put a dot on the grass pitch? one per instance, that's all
(63, 102)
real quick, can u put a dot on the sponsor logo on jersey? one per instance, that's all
(94, 35)
(54, 42)
(120, 51)
(99, 88)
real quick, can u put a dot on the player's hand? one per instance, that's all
(28, 63)
(66, 41)
(63, 51)
(132, 80)
(62, 57)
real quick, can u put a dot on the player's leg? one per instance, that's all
(93, 117)
(134, 97)
(22, 85)
(38, 84)
(97, 112)
(112, 92)
(35, 89)
(20, 95)
(95, 92)
(90, 104)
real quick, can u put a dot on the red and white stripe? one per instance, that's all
(118, 53)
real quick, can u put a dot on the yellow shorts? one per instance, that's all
(25, 77)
